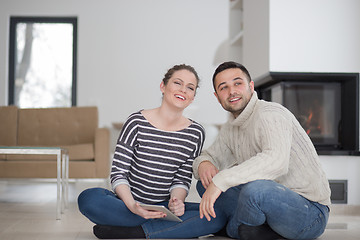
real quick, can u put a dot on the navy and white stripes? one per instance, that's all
(153, 161)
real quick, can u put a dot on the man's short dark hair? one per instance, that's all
(228, 65)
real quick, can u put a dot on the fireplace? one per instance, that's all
(326, 105)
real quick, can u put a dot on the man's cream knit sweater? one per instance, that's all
(266, 142)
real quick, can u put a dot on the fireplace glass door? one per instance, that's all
(317, 106)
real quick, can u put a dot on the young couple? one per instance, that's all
(260, 179)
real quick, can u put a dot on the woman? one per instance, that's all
(152, 164)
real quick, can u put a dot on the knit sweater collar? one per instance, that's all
(246, 113)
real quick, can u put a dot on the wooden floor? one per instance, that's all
(28, 212)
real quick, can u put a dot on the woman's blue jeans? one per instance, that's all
(263, 201)
(103, 207)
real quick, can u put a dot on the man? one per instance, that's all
(262, 170)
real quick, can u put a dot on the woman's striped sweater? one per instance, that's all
(152, 161)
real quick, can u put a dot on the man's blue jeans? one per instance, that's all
(263, 201)
(103, 207)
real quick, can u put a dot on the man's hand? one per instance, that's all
(208, 200)
(206, 172)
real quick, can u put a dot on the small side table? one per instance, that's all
(62, 162)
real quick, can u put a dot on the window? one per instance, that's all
(42, 62)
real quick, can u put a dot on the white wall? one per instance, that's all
(126, 46)
(315, 35)
(344, 168)
(256, 55)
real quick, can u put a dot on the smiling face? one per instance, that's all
(180, 89)
(233, 90)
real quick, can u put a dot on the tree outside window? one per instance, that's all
(42, 62)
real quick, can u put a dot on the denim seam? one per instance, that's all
(145, 231)
(319, 219)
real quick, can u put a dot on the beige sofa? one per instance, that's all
(74, 128)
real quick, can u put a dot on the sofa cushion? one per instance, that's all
(8, 126)
(46, 169)
(81, 152)
(78, 152)
(57, 126)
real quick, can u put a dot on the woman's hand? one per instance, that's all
(147, 214)
(177, 206)
(123, 192)
(176, 202)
